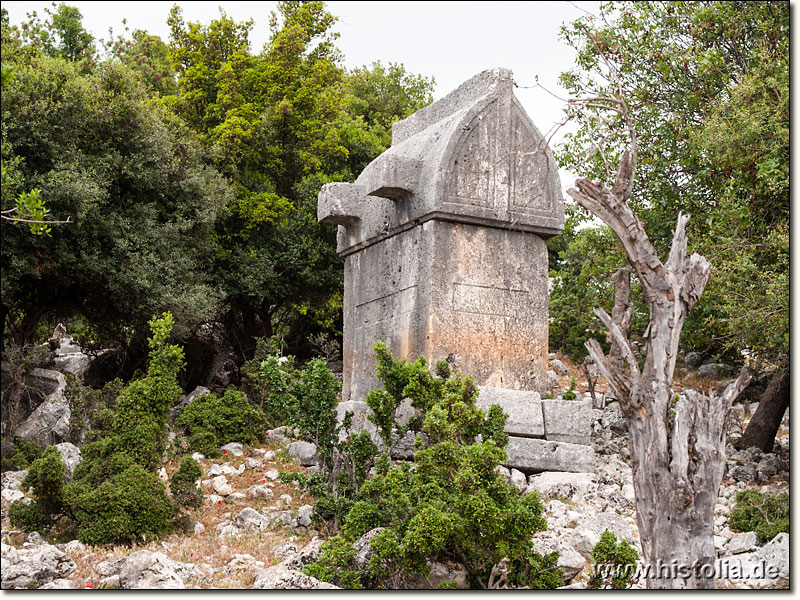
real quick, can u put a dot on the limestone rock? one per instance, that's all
(304, 452)
(742, 542)
(259, 491)
(559, 367)
(281, 578)
(221, 485)
(693, 359)
(524, 410)
(439, 573)
(12, 480)
(250, 519)
(363, 548)
(573, 486)
(775, 555)
(145, 570)
(59, 584)
(299, 560)
(35, 566)
(272, 474)
(196, 393)
(70, 456)
(49, 423)
(280, 435)
(234, 448)
(518, 480)
(254, 463)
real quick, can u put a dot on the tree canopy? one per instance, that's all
(708, 84)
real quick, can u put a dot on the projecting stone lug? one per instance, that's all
(340, 203)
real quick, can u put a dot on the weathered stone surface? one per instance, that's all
(250, 519)
(305, 453)
(221, 485)
(524, 410)
(280, 435)
(693, 359)
(145, 570)
(775, 554)
(281, 578)
(363, 546)
(196, 393)
(234, 448)
(528, 454)
(558, 367)
(70, 456)
(518, 480)
(742, 542)
(567, 421)
(359, 421)
(49, 423)
(439, 573)
(34, 566)
(442, 241)
(569, 559)
(12, 480)
(573, 486)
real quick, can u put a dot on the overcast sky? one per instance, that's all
(451, 41)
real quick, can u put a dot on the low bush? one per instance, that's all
(211, 422)
(615, 563)
(21, 453)
(451, 504)
(183, 484)
(114, 495)
(766, 514)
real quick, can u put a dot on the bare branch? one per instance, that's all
(621, 341)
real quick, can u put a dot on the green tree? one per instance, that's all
(708, 84)
(132, 177)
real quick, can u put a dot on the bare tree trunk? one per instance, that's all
(677, 445)
(764, 425)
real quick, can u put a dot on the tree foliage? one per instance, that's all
(708, 84)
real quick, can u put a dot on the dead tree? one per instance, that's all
(677, 443)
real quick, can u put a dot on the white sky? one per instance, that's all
(451, 41)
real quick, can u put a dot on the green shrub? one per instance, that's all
(114, 495)
(766, 514)
(46, 479)
(451, 504)
(182, 485)
(211, 422)
(22, 455)
(618, 560)
(140, 422)
(91, 410)
(267, 379)
(131, 506)
(570, 393)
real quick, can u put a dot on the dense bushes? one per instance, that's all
(212, 422)
(452, 504)
(114, 495)
(767, 515)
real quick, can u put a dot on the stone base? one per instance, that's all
(532, 455)
(568, 421)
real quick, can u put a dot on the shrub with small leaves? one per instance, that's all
(570, 393)
(452, 504)
(766, 514)
(211, 422)
(46, 479)
(183, 483)
(22, 454)
(615, 563)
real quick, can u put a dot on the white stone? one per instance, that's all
(519, 480)
(742, 542)
(234, 448)
(221, 485)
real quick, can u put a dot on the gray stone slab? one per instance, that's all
(529, 454)
(524, 410)
(567, 421)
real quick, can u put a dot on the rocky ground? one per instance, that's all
(255, 532)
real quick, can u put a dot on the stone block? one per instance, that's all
(567, 421)
(529, 454)
(524, 410)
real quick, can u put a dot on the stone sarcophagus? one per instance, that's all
(442, 236)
